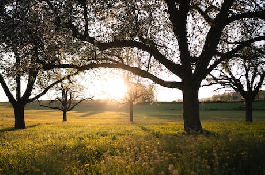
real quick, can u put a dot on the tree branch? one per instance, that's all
(136, 71)
(9, 95)
(204, 14)
(259, 14)
(228, 55)
(47, 106)
(241, 45)
(173, 67)
(31, 81)
(80, 101)
(50, 86)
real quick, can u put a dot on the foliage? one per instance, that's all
(139, 91)
(232, 96)
(245, 74)
(186, 39)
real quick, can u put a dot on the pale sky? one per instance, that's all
(110, 84)
(117, 88)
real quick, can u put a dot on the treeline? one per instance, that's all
(233, 96)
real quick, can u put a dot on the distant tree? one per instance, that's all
(222, 97)
(69, 93)
(230, 96)
(245, 74)
(187, 39)
(137, 92)
(261, 95)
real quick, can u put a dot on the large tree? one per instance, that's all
(245, 73)
(28, 48)
(188, 39)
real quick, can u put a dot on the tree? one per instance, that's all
(244, 74)
(187, 38)
(137, 92)
(28, 52)
(32, 48)
(69, 95)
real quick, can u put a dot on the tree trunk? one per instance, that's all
(191, 117)
(131, 111)
(248, 103)
(19, 116)
(64, 116)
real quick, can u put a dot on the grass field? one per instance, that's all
(101, 140)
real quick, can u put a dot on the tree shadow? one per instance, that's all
(7, 129)
(13, 129)
(87, 114)
(158, 134)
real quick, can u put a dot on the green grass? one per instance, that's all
(101, 140)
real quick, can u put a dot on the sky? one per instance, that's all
(109, 84)
(115, 88)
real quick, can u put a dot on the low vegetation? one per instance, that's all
(103, 141)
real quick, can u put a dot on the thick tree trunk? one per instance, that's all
(248, 103)
(191, 117)
(131, 111)
(64, 116)
(19, 116)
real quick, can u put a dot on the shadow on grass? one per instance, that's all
(13, 129)
(90, 113)
(7, 129)
(158, 134)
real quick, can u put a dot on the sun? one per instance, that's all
(115, 88)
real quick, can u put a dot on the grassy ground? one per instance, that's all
(101, 140)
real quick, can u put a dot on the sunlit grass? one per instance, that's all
(106, 142)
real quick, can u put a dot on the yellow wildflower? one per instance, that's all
(37, 170)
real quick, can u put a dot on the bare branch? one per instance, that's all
(80, 101)
(50, 86)
(136, 71)
(9, 95)
(47, 106)
(259, 14)
(204, 14)
(173, 67)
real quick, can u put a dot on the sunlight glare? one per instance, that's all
(115, 88)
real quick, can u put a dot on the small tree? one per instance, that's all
(69, 94)
(137, 92)
(245, 74)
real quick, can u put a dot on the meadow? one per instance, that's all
(99, 139)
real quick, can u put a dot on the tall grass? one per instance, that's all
(100, 142)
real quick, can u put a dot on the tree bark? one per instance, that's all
(191, 116)
(19, 116)
(248, 103)
(64, 116)
(131, 111)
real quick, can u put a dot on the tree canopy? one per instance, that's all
(244, 74)
(186, 38)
